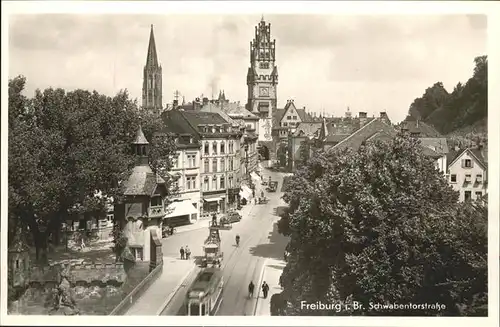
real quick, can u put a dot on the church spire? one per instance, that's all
(152, 59)
(152, 79)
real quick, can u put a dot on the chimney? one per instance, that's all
(384, 117)
(362, 119)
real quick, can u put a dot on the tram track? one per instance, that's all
(252, 235)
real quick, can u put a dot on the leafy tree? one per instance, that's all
(65, 146)
(381, 225)
(465, 106)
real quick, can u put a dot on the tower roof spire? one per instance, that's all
(152, 59)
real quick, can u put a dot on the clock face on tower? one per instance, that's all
(264, 91)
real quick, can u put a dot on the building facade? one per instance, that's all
(185, 173)
(152, 79)
(219, 151)
(141, 211)
(262, 79)
(467, 173)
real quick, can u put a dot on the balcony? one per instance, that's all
(155, 212)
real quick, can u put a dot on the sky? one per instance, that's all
(327, 63)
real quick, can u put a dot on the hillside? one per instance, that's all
(461, 113)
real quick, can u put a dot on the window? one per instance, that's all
(453, 178)
(467, 163)
(230, 181)
(294, 117)
(468, 178)
(231, 146)
(214, 165)
(468, 195)
(222, 182)
(289, 117)
(206, 148)
(191, 182)
(214, 182)
(17, 264)
(175, 161)
(479, 195)
(285, 124)
(205, 184)
(156, 201)
(191, 160)
(206, 169)
(110, 216)
(222, 148)
(231, 163)
(264, 65)
(479, 178)
(222, 165)
(138, 253)
(214, 148)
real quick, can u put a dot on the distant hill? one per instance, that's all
(461, 113)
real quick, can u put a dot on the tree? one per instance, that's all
(464, 107)
(381, 225)
(68, 145)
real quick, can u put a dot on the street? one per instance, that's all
(259, 240)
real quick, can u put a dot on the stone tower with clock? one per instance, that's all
(262, 79)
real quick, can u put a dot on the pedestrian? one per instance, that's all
(214, 220)
(251, 288)
(188, 252)
(265, 289)
(182, 253)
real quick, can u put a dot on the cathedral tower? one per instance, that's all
(262, 79)
(152, 87)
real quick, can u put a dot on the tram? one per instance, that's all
(205, 294)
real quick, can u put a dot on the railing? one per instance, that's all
(156, 211)
(136, 293)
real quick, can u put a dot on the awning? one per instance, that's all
(212, 199)
(245, 192)
(180, 208)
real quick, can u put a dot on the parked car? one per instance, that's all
(233, 217)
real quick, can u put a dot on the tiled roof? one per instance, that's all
(203, 118)
(214, 108)
(174, 122)
(438, 144)
(278, 116)
(479, 154)
(424, 129)
(304, 116)
(431, 153)
(307, 128)
(142, 181)
(373, 127)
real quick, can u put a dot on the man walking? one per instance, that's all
(182, 253)
(265, 289)
(251, 287)
(188, 252)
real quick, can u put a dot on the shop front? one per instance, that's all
(180, 213)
